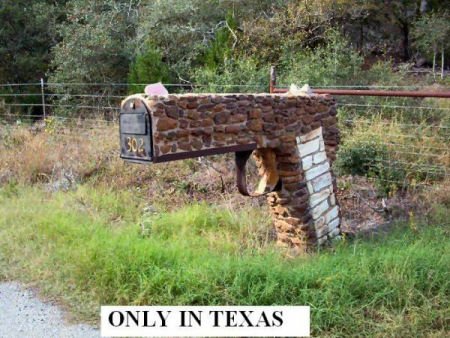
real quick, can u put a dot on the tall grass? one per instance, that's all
(382, 143)
(90, 154)
(396, 153)
(92, 248)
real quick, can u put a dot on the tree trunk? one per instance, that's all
(442, 63)
(423, 6)
(361, 36)
(434, 64)
(405, 42)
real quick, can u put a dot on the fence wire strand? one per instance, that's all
(98, 113)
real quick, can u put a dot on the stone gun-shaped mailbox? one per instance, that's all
(293, 139)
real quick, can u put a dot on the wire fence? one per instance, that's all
(415, 132)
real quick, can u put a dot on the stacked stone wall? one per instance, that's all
(301, 130)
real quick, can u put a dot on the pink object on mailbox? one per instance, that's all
(156, 89)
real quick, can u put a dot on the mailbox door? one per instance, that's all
(135, 132)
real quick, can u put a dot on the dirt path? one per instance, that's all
(22, 314)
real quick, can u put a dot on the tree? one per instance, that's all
(233, 76)
(148, 67)
(96, 41)
(97, 47)
(403, 13)
(28, 32)
(334, 62)
(221, 47)
(185, 31)
(431, 36)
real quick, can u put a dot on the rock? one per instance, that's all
(309, 147)
(311, 135)
(221, 117)
(255, 125)
(166, 123)
(317, 171)
(319, 209)
(233, 129)
(333, 213)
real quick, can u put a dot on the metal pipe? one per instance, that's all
(43, 98)
(371, 92)
(273, 79)
(359, 92)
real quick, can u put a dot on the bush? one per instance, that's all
(333, 63)
(382, 73)
(44, 155)
(358, 157)
(220, 47)
(234, 76)
(368, 156)
(394, 154)
(148, 67)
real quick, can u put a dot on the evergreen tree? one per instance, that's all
(148, 67)
(28, 31)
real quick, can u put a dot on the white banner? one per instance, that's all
(205, 321)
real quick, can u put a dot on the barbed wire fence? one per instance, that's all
(419, 144)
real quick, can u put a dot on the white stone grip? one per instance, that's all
(305, 209)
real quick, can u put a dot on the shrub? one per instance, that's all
(335, 62)
(368, 156)
(12, 137)
(235, 75)
(396, 155)
(360, 158)
(45, 155)
(148, 67)
(382, 73)
(220, 47)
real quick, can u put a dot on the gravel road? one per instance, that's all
(22, 314)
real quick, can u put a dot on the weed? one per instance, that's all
(394, 154)
(394, 285)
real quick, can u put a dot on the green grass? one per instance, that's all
(98, 247)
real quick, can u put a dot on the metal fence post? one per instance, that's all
(273, 79)
(43, 98)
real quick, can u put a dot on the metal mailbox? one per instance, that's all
(135, 132)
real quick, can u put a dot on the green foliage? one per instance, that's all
(333, 63)
(220, 47)
(148, 67)
(97, 47)
(28, 31)
(382, 73)
(10, 190)
(431, 36)
(369, 156)
(363, 287)
(186, 30)
(89, 51)
(431, 33)
(97, 40)
(234, 76)
(392, 152)
(358, 157)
